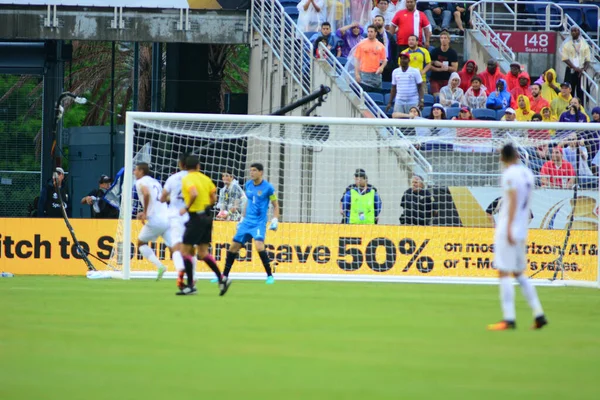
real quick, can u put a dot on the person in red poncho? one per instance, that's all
(512, 76)
(468, 71)
(490, 76)
(522, 89)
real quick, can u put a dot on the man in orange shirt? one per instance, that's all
(537, 102)
(370, 60)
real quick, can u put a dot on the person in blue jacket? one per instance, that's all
(500, 99)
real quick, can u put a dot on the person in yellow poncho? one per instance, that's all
(524, 112)
(549, 85)
(561, 102)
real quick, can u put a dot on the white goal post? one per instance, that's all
(433, 191)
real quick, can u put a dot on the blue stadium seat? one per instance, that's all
(484, 114)
(499, 114)
(426, 112)
(342, 60)
(452, 112)
(386, 86)
(591, 18)
(540, 14)
(292, 12)
(428, 100)
(575, 12)
(377, 97)
(386, 98)
(289, 3)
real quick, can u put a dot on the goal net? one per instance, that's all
(377, 200)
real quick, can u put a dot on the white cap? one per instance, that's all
(509, 110)
(61, 171)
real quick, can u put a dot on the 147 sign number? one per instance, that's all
(529, 42)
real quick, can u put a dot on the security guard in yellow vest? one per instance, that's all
(361, 203)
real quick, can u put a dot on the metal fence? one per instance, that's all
(20, 135)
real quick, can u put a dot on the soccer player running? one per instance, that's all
(254, 221)
(153, 216)
(172, 193)
(199, 195)
(510, 242)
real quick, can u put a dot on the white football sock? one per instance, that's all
(178, 261)
(507, 298)
(149, 255)
(530, 294)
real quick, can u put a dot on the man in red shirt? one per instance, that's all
(490, 76)
(410, 22)
(557, 173)
(536, 101)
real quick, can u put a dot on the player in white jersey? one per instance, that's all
(510, 242)
(154, 216)
(172, 193)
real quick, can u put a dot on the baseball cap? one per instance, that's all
(438, 105)
(105, 179)
(60, 171)
(360, 173)
(515, 64)
(492, 61)
(405, 55)
(565, 84)
(465, 109)
(509, 110)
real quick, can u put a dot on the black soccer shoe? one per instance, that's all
(224, 286)
(187, 291)
(539, 322)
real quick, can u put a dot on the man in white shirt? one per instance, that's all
(407, 87)
(382, 9)
(154, 215)
(311, 14)
(172, 193)
(510, 242)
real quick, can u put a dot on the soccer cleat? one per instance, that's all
(224, 286)
(187, 291)
(161, 271)
(502, 326)
(539, 322)
(270, 280)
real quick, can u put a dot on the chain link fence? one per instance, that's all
(20, 143)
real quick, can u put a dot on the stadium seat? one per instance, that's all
(386, 98)
(292, 12)
(591, 18)
(499, 114)
(428, 100)
(377, 97)
(342, 60)
(484, 114)
(386, 86)
(452, 112)
(289, 3)
(540, 14)
(426, 112)
(575, 12)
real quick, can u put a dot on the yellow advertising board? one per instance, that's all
(44, 246)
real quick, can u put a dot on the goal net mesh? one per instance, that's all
(370, 202)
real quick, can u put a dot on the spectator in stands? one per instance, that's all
(521, 89)
(451, 95)
(95, 199)
(410, 22)
(419, 56)
(475, 96)
(361, 204)
(438, 112)
(491, 75)
(418, 204)
(576, 54)
(396, 5)
(547, 116)
(231, 199)
(311, 14)
(317, 49)
(595, 115)
(408, 88)
(500, 99)
(464, 114)
(437, 13)
(350, 35)
(550, 89)
(510, 115)
(537, 117)
(444, 61)
(370, 60)
(561, 103)
(468, 71)
(391, 50)
(413, 113)
(512, 77)
(570, 147)
(332, 40)
(575, 113)
(462, 16)
(536, 100)
(523, 112)
(382, 8)
(557, 173)
(360, 11)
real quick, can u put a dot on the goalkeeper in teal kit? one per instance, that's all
(253, 226)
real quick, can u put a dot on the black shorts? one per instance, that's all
(198, 230)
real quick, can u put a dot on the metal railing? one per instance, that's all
(492, 37)
(285, 40)
(346, 81)
(509, 18)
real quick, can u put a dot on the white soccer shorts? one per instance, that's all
(510, 258)
(177, 227)
(155, 228)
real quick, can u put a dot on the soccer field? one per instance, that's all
(70, 338)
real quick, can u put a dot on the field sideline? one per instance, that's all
(71, 338)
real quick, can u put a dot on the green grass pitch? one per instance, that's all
(70, 338)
